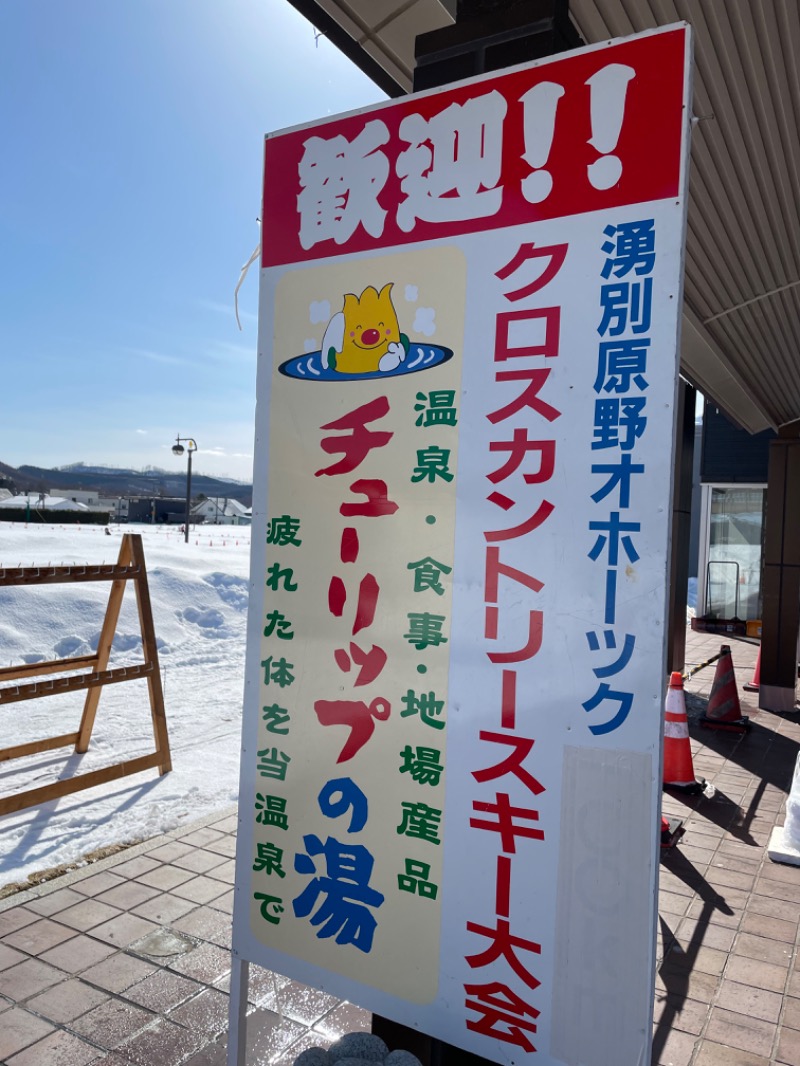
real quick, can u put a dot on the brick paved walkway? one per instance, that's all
(78, 984)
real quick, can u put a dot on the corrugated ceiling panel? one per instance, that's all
(743, 239)
(386, 29)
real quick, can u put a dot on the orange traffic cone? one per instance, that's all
(755, 684)
(723, 710)
(678, 766)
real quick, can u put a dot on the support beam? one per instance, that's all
(781, 587)
(681, 527)
(492, 35)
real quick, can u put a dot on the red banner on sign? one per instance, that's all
(578, 134)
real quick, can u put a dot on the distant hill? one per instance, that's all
(109, 481)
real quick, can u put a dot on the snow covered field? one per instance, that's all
(199, 594)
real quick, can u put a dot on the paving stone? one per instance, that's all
(224, 872)
(129, 895)
(261, 987)
(766, 926)
(723, 913)
(112, 1023)
(226, 846)
(32, 976)
(54, 902)
(19, 1030)
(700, 960)
(740, 861)
(135, 867)
(87, 914)
(673, 1049)
(223, 902)
(760, 974)
(202, 837)
(10, 957)
(745, 999)
(740, 1031)
(211, 1055)
(713, 1054)
(67, 1000)
(791, 1012)
(775, 908)
(730, 879)
(77, 954)
(118, 972)
(206, 924)
(673, 903)
(165, 908)
(346, 1018)
(303, 1004)
(789, 1048)
(57, 1049)
(206, 1012)
(97, 883)
(710, 936)
(777, 871)
(688, 984)
(763, 949)
(165, 878)
(200, 889)
(15, 918)
(268, 1035)
(686, 1015)
(123, 930)
(788, 891)
(199, 861)
(170, 851)
(38, 936)
(228, 824)
(162, 990)
(207, 963)
(163, 1042)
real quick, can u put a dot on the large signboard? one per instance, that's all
(468, 322)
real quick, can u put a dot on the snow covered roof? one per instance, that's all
(221, 506)
(43, 503)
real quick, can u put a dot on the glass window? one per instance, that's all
(735, 552)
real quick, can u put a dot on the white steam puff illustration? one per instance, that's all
(412, 294)
(425, 321)
(319, 311)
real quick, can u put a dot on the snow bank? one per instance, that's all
(199, 594)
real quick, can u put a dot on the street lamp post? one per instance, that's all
(190, 449)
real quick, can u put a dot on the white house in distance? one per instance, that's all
(223, 511)
(41, 501)
(88, 497)
(116, 506)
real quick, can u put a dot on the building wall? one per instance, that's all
(730, 454)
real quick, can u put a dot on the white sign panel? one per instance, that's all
(450, 787)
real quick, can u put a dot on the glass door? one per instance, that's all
(735, 551)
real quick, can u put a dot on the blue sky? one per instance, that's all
(132, 139)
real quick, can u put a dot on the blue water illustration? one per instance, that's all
(308, 367)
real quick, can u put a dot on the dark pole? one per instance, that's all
(188, 488)
(178, 449)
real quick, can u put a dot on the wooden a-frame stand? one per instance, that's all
(129, 567)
